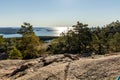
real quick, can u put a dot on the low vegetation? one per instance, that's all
(15, 54)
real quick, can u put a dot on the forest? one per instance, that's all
(82, 40)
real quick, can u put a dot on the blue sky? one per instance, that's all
(58, 12)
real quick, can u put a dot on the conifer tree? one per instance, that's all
(29, 43)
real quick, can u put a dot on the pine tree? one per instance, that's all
(114, 42)
(29, 42)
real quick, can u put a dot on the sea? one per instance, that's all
(10, 32)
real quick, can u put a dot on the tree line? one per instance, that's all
(79, 40)
(82, 39)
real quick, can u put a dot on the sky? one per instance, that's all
(60, 13)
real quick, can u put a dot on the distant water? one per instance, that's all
(11, 35)
(41, 31)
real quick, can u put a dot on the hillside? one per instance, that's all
(61, 67)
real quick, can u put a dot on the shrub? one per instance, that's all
(15, 54)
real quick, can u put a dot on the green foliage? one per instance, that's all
(15, 54)
(2, 44)
(114, 42)
(98, 44)
(82, 39)
(30, 47)
(58, 46)
(26, 28)
(74, 41)
(29, 43)
(2, 41)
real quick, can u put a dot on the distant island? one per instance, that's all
(8, 30)
(11, 32)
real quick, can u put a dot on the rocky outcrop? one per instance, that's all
(61, 67)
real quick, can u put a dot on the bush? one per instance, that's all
(15, 54)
